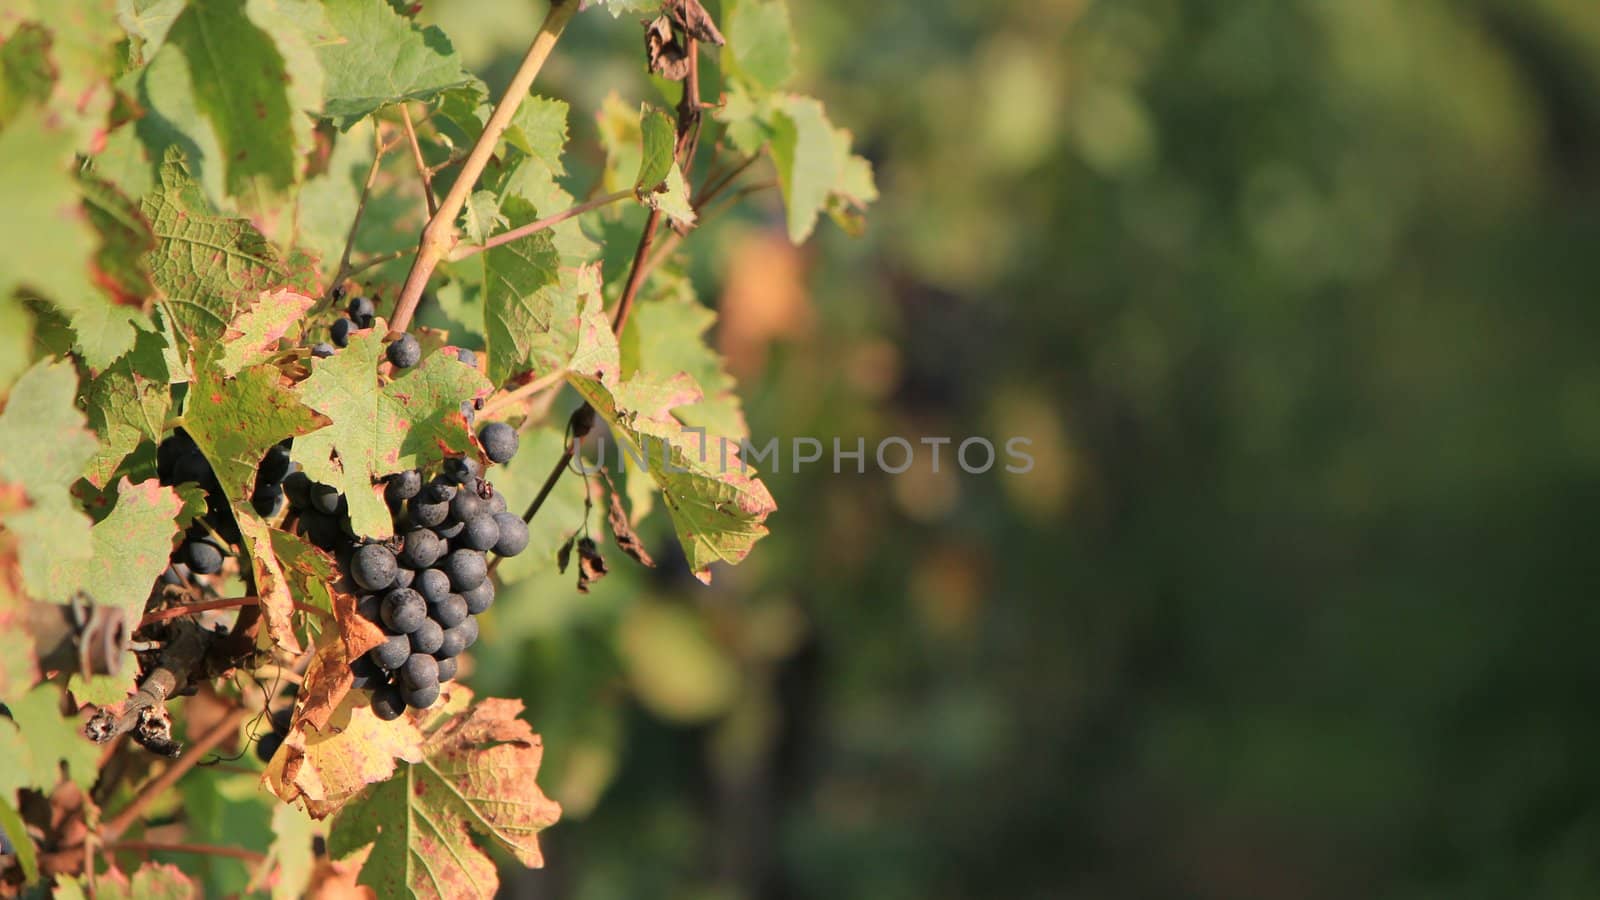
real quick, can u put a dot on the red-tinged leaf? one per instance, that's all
(253, 336)
(323, 767)
(277, 602)
(477, 774)
(152, 881)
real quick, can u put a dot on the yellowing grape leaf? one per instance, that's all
(253, 337)
(48, 528)
(477, 774)
(322, 767)
(129, 549)
(383, 426)
(716, 501)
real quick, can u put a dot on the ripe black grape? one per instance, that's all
(275, 465)
(387, 704)
(404, 352)
(455, 641)
(467, 506)
(439, 491)
(392, 653)
(426, 514)
(419, 671)
(370, 607)
(404, 610)
(420, 698)
(367, 673)
(192, 466)
(322, 350)
(447, 669)
(373, 567)
(479, 598)
(267, 500)
(202, 555)
(361, 310)
(297, 487)
(428, 637)
(466, 568)
(341, 332)
(402, 486)
(482, 533)
(467, 357)
(449, 612)
(432, 584)
(513, 537)
(403, 577)
(421, 549)
(461, 470)
(268, 745)
(497, 502)
(450, 530)
(282, 719)
(325, 499)
(499, 441)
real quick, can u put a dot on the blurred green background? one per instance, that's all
(1295, 299)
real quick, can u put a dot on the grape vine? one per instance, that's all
(274, 508)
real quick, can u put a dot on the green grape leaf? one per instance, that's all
(128, 403)
(129, 548)
(16, 831)
(621, 137)
(16, 339)
(480, 217)
(716, 501)
(293, 836)
(657, 149)
(535, 183)
(84, 35)
(806, 153)
(40, 413)
(477, 774)
(121, 266)
(37, 739)
(530, 306)
(41, 416)
(235, 419)
(208, 268)
(666, 334)
(672, 198)
(384, 58)
(539, 130)
(250, 116)
(26, 72)
(760, 48)
(311, 573)
(561, 514)
(411, 421)
(253, 337)
(147, 23)
(747, 117)
(46, 242)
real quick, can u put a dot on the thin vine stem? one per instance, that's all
(189, 609)
(463, 251)
(439, 235)
(249, 856)
(416, 157)
(379, 149)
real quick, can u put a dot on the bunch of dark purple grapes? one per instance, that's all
(404, 351)
(425, 586)
(179, 461)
